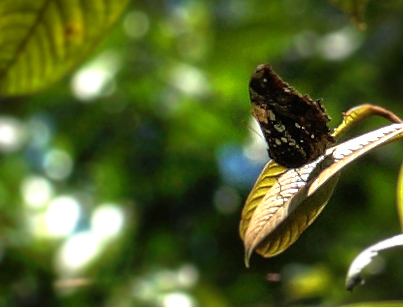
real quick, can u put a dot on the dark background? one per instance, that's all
(165, 141)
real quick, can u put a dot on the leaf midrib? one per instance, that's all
(26, 39)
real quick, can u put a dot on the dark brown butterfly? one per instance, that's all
(294, 126)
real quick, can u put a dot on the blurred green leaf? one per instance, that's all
(42, 40)
(380, 304)
(161, 153)
(354, 8)
(400, 196)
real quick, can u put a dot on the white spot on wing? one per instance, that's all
(271, 115)
(279, 128)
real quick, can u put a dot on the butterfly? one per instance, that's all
(285, 201)
(294, 125)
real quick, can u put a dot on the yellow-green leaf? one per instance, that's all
(351, 150)
(271, 184)
(43, 39)
(266, 180)
(377, 304)
(299, 195)
(283, 214)
(359, 113)
(400, 196)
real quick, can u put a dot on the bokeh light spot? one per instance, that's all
(188, 275)
(136, 24)
(341, 44)
(306, 43)
(77, 252)
(178, 299)
(39, 130)
(12, 134)
(89, 83)
(62, 216)
(143, 289)
(58, 164)
(226, 200)
(36, 191)
(255, 149)
(107, 220)
(189, 80)
(235, 168)
(97, 78)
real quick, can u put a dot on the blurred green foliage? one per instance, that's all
(42, 40)
(155, 128)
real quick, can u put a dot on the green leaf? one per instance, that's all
(400, 196)
(377, 304)
(354, 8)
(41, 40)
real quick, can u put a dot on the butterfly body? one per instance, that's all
(294, 126)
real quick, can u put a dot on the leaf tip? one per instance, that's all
(353, 281)
(248, 253)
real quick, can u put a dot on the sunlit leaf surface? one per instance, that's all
(357, 114)
(350, 150)
(283, 214)
(270, 174)
(41, 40)
(365, 258)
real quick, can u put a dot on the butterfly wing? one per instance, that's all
(294, 126)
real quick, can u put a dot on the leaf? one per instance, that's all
(285, 212)
(312, 206)
(272, 171)
(377, 304)
(349, 151)
(299, 195)
(365, 258)
(354, 8)
(361, 112)
(400, 196)
(266, 180)
(42, 40)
